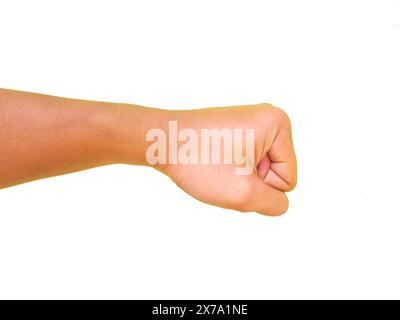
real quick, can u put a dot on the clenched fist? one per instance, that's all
(268, 163)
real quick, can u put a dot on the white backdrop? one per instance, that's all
(128, 232)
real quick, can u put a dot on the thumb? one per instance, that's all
(266, 199)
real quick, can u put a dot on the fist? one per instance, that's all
(239, 158)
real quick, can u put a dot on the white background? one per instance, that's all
(128, 232)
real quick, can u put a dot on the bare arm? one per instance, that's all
(43, 136)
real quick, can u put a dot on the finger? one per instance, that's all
(283, 168)
(266, 199)
(263, 167)
(275, 181)
(266, 173)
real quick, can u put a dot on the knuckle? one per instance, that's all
(266, 106)
(281, 115)
(275, 114)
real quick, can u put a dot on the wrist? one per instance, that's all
(128, 128)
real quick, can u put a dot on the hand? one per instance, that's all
(273, 171)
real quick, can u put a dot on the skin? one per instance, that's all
(43, 136)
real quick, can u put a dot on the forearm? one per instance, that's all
(42, 136)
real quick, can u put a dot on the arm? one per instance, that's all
(43, 136)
